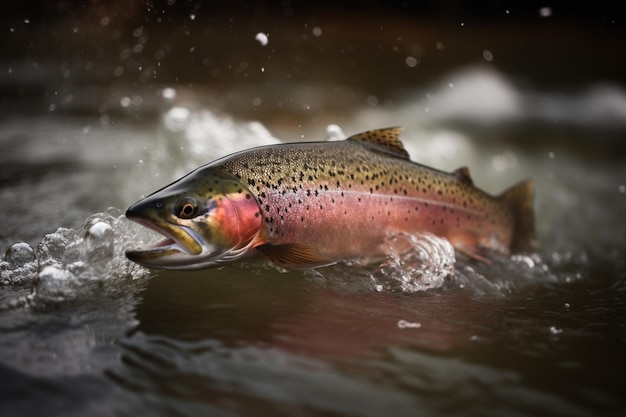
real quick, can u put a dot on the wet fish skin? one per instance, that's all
(315, 203)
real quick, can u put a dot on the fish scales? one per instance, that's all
(305, 190)
(321, 202)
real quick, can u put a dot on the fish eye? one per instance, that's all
(187, 207)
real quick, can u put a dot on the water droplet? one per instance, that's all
(487, 55)
(168, 93)
(555, 330)
(334, 132)
(545, 12)
(262, 38)
(411, 61)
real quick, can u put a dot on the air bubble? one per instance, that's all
(19, 265)
(19, 254)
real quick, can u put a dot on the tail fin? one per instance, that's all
(519, 200)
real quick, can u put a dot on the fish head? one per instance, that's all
(207, 217)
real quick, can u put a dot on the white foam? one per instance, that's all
(416, 263)
(71, 263)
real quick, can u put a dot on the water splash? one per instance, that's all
(18, 266)
(424, 262)
(70, 263)
(506, 275)
(415, 263)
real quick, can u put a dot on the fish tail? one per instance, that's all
(519, 200)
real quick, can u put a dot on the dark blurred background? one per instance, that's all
(82, 56)
(206, 42)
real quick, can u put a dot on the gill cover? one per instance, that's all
(207, 217)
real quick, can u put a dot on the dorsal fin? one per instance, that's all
(386, 140)
(464, 175)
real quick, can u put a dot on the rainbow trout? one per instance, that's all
(309, 204)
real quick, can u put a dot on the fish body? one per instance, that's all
(315, 203)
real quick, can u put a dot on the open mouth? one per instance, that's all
(178, 240)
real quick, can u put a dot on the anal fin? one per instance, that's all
(294, 255)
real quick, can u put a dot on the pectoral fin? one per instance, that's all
(467, 244)
(467, 251)
(295, 255)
